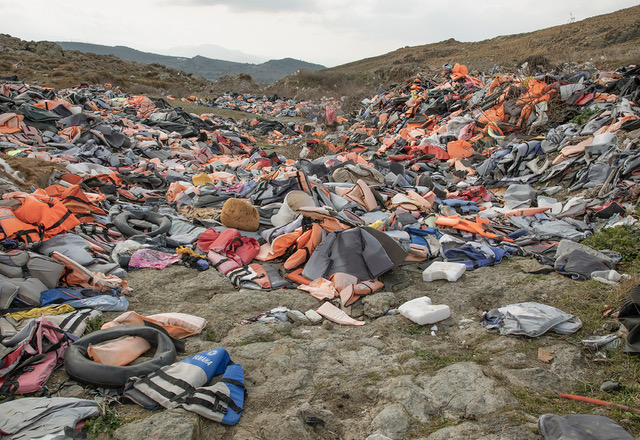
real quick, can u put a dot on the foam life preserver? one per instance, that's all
(52, 216)
(79, 367)
(13, 228)
(122, 222)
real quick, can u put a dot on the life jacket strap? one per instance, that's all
(60, 221)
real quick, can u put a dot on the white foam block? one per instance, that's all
(442, 270)
(421, 311)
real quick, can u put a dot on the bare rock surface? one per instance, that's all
(389, 378)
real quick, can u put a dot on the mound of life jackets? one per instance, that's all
(465, 167)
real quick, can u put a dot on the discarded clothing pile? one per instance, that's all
(463, 169)
(459, 169)
(274, 106)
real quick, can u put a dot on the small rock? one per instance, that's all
(247, 334)
(379, 304)
(313, 316)
(485, 430)
(377, 437)
(462, 389)
(243, 434)
(393, 421)
(297, 316)
(276, 427)
(327, 325)
(610, 385)
(176, 424)
(318, 418)
(536, 378)
(72, 391)
(284, 327)
(413, 399)
(357, 309)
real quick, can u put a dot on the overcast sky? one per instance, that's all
(329, 32)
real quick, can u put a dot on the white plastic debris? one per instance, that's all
(442, 270)
(421, 311)
(608, 276)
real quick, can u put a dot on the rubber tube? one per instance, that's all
(79, 367)
(122, 222)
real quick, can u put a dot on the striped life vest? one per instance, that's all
(182, 384)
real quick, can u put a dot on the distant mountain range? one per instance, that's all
(211, 69)
(215, 52)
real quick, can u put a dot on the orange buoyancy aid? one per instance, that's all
(53, 217)
(306, 244)
(76, 274)
(15, 229)
(76, 200)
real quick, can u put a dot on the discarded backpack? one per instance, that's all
(32, 356)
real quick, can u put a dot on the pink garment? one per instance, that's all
(223, 263)
(334, 314)
(233, 189)
(119, 352)
(152, 258)
(331, 115)
(230, 243)
(467, 131)
(320, 288)
(342, 280)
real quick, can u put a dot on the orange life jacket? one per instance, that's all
(76, 201)
(53, 217)
(15, 229)
(76, 274)
(306, 244)
(297, 277)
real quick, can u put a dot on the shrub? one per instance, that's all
(620, 239)
(106, 421)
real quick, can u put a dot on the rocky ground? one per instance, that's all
(389, 377)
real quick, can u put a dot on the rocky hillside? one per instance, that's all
(607, 41)
(45, 63)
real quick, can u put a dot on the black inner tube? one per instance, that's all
(122, 222)
(79, 367)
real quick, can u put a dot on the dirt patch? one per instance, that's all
(32, 171)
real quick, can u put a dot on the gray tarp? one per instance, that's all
(33, 417)
(531, 319)
(354, 251)
(580, 427)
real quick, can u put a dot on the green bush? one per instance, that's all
(93, 324)
(106, 421)
(620, 239)
(584, 115)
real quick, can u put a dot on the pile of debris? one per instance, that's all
(449, 175)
